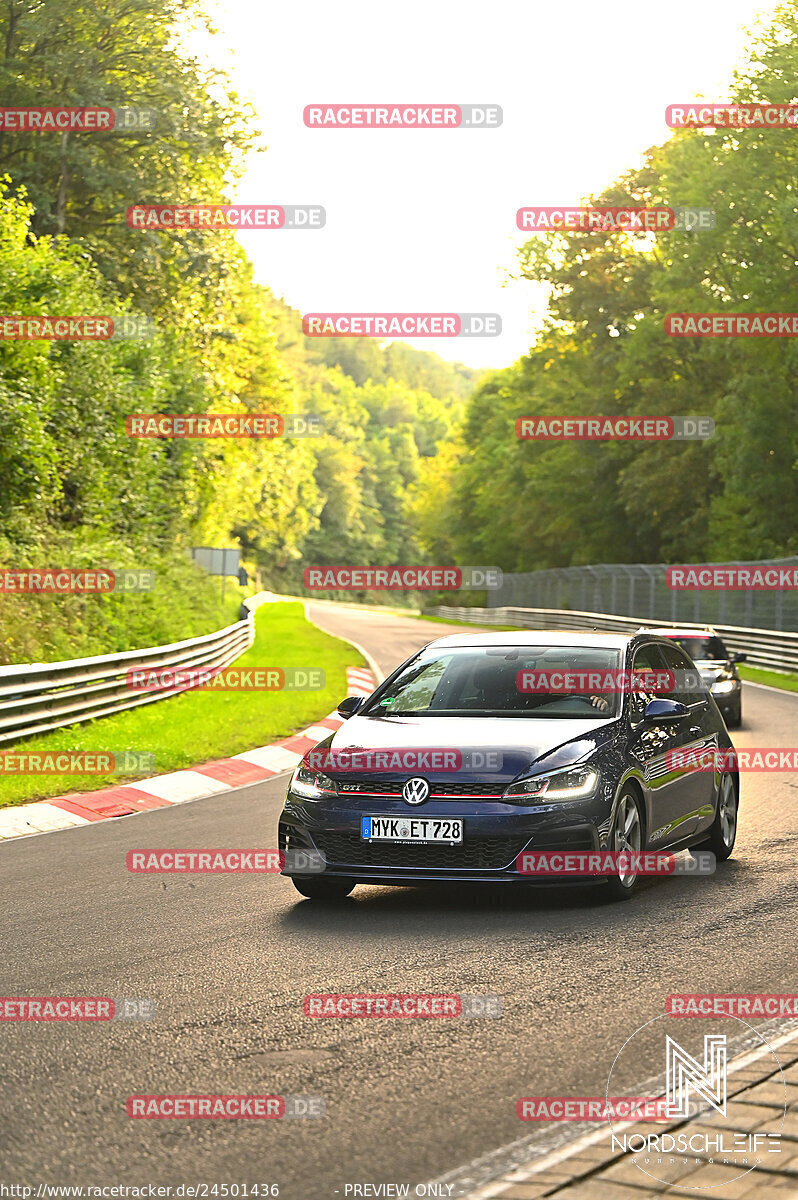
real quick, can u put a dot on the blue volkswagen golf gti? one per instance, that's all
(474, 751)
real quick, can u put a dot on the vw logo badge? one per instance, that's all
(415, 791)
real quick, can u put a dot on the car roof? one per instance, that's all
(536, 637)
(704, 631)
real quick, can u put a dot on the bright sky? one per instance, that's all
(424, 220)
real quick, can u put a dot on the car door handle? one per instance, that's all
(694, 729)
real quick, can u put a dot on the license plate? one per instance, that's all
(410, 829)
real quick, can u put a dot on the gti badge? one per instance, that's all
(415, 791)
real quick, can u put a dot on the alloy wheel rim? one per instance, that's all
(728, 810)
(628, 834)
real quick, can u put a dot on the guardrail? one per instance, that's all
(764, 647)
(643, 588)
(39, 697)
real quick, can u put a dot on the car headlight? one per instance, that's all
(572, 783)
(313, 785)
(722, 686)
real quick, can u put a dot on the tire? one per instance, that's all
(323, 887)
(723, 830)
(735, 718)
(626, 834)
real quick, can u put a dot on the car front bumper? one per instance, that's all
(494, 834)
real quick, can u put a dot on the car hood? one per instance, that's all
(711, 669)
(522, 742)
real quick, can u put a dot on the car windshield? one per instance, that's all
(503, 681)
(702, 647)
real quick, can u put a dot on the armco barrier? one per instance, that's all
(38, 697)
(764, 647)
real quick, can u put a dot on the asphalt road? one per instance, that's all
(228, 959)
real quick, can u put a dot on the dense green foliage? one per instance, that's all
(603, 350)
(75, 489)
(413, 465)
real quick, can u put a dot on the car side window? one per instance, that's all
(689, 687)
(647, 658)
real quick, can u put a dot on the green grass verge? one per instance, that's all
(198, 726)
(473, 625)
(785, 681)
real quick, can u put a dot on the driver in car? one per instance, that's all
(497, 689)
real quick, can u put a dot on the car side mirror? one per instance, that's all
(665, 712)
(735, 656)
(347, 708)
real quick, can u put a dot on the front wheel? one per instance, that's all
(723, 830)
(323, 887)
(626, 835)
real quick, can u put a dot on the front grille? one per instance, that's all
(477, 854)
(374, 787)
(487, 790)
